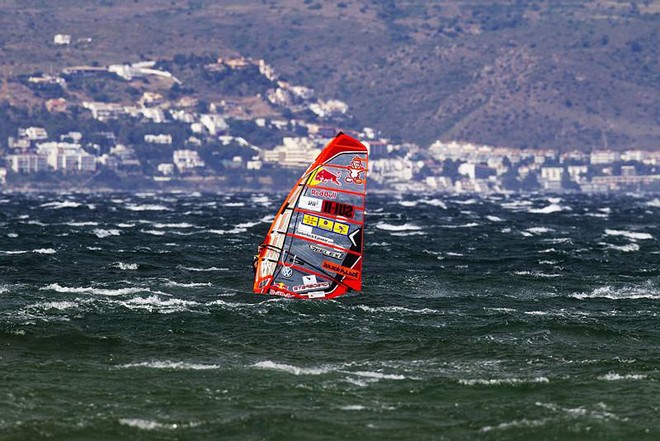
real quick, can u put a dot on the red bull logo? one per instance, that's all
(323, 176)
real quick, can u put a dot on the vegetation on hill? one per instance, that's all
(528, 73)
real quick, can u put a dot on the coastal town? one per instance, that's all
(141, 124)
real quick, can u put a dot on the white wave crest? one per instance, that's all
(90, 290)
(156, 304)
(503, 381)
(101, 233)
(213, 268)
(81, 224)
(629, 248)
(539, 230)
(408, 203)
(125, 266)
(612, 376)
(629, 234)
(58, 205)
(494, 218)
(654, 203)
(146, 207)
(552, 208)
(187, 285)
(535, 274)
(271, 365)
(171, 365)
(44, 251)
(396, 309)
(434, 203)
(405, 227)
(625, 293)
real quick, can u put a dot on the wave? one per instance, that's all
(390, 227)
(213, 268)
(146, 207)
(408, 203)
(44, 251)
(517, 424)
(153, 232)
(59, 205)
(13, 252)
(271, 365)
(629, 234)
(91, 290)
(101, 233)
(625, 293)
(125, 266)
(535, 274)
(629, 248)
(396, 309)
(612, 376)
(552, 208)
(434, 203)
(234, 204)
(171, 365)
(81, 224)
(156, 304)
(494, 218)
(173, 225)
(187, 285)
(654, 203)
(539, 230)
(502, 381)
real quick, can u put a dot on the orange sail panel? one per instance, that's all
(314, 247)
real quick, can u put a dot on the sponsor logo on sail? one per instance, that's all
(340, 269)
(311, 204)
(327, 194)
(334, 254)
(317, 285)
(355, 169)
(323, 176)
(307, 231)
(325, 224)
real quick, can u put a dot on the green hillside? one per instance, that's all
(570, 74)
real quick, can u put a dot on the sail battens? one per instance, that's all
(314, 247)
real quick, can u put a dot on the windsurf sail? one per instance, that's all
(314, 247)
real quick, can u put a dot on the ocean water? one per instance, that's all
(482, 318)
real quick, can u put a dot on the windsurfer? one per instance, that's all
(255, 258)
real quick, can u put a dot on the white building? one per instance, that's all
(62, 39)
(27, 163)
(33, 133)
(213, 123)
(187, 160)
(604, 157)
(166, 169)
(158, 139)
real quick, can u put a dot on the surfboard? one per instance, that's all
(315, 245)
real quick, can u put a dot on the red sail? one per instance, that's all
(314, 248)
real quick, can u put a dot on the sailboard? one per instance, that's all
(314, 247)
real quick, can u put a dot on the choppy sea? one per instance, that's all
(130, 316)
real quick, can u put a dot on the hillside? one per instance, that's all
(571, 74)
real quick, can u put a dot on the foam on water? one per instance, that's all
(60, 205)
(171, 365)
(391, 227)
(146, 207)
(102, 233)
(552, 208)
(612, 376)
(629, 234)
(44, 251)
(91, 290)
(125, 266)
(503, 381)
(647, 291)
(290, 369)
